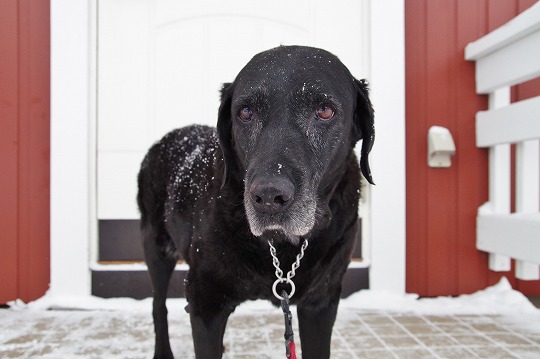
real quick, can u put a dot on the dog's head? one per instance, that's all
(286, 126)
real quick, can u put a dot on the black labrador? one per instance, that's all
(281, 170)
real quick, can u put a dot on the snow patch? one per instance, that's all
(499, 299)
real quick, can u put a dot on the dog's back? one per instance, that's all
(176, 172)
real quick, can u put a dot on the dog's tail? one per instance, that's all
(150, 200)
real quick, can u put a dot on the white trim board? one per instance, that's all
(72, 145)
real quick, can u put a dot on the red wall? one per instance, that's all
(24, 149)
(440, 90)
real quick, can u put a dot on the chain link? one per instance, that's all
(291, 273)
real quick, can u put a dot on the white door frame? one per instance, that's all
(73, 145)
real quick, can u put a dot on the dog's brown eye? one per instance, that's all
(245, 114)
(325, 112)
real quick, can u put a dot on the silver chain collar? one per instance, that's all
(290, 274)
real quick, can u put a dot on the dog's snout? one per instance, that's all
(271, 195)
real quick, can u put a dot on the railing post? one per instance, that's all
(528, 176)
(499, 178)
(527, 195)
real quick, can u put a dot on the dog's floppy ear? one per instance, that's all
(224, 130)
(364, 126)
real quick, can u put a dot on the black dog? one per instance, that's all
(280, 169)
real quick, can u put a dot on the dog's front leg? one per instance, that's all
(315, 326)
(208, 334)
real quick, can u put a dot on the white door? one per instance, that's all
(161, 64)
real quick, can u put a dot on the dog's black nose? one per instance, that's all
(272, 195)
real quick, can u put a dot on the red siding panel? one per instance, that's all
(8, 149)
(472, 189)
(416, 102)
(34, 160)
(25, 44)
(441, 186)
(442, 258)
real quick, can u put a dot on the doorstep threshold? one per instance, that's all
(180, 265)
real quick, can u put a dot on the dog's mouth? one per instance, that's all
(291, 231)
(297, 221)
(258, 227)
(273, 203)
(278, 233)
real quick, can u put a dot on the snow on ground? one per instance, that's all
(92, 327)
(498, 299)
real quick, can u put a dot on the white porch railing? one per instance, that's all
(505, 57)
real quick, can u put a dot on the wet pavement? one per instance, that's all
(357, 334)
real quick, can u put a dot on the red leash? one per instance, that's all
(290, 347)
(292, 351)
